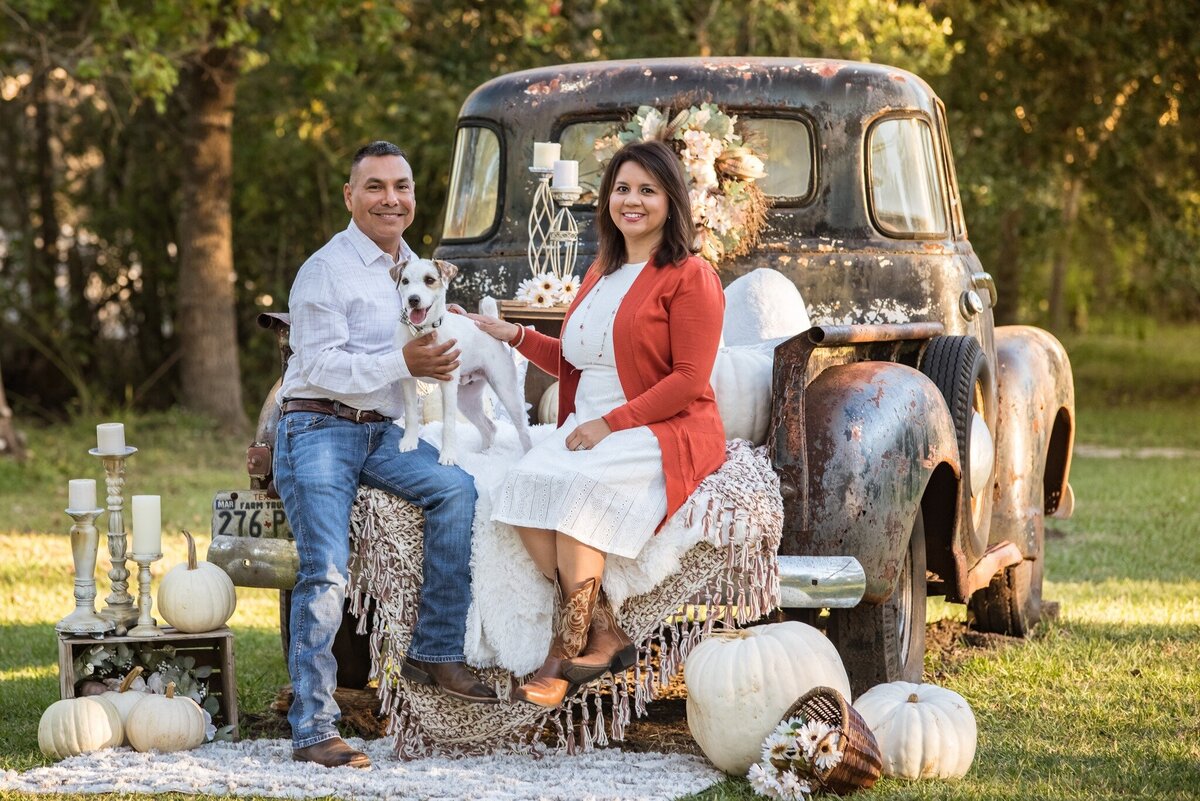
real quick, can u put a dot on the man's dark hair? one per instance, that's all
(376, 148)
(660, 161)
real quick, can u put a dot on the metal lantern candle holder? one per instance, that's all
(118, 606)
(553, 232)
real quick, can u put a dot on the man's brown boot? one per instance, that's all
(608, 647)
(332, 753)
(572, 617)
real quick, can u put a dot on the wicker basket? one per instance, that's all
(861, 765)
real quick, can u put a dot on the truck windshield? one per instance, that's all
(474, 184)
(785, 144)
(906, 195)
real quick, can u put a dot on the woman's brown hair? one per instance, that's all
(679, 232)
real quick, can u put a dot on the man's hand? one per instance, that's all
(428, 358)
(585, 437)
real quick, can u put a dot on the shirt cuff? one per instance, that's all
(395, 366)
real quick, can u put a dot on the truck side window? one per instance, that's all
(785, 144)
(474, 184)
(906, 192)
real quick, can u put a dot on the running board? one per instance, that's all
(817, 582)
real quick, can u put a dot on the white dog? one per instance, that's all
(422, 286)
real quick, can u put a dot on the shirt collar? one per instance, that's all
(368, 251)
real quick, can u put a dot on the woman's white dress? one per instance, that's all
(614, 495)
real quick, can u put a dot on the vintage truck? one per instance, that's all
(909, 432)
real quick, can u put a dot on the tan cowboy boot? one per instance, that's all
(572, 617)
(608, 647)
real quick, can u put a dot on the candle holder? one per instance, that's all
(541, 222)
(145, 624)
(118, 606)
(564, 232)
(84, 544)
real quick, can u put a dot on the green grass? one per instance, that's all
(1100, 704)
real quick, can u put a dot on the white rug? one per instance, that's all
(265, 768)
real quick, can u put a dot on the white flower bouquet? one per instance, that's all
(821, 744)
(547, 289)
(721, 166)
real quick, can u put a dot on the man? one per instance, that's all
(338, 398)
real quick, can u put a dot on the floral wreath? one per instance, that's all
(729, 209)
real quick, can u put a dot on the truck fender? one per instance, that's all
(1035, 433)
(877, 432)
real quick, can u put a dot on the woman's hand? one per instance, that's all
(499, 329)
(586, 436)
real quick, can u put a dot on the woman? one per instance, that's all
(640, 427)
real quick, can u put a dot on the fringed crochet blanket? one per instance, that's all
(713, 564)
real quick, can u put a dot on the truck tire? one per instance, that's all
(885, 642)
(1011, 603)
(959, 368)
(351, 649)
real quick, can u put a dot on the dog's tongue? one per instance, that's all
(417, 316)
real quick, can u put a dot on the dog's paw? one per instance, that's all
(407, 444)
(447, 457)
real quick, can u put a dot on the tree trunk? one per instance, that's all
(42, 290)
(1062, 255)
(11, 443)
(210, 371)
(1008, 267)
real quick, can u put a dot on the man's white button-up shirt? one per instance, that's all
(345, 308)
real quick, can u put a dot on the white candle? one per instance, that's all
(110, 438)
(82, 494)
(545, 154)
(566, 174)
(147, 524)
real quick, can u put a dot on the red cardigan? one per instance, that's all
(665, 336)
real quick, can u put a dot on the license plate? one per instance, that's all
(249, 513)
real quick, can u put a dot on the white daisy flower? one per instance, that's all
(828, 753)
(548, 283)
(541, 300)
(792, 786)
(763, 781)
(778, 746)
(526, 290)
(569, 288)
(810, 734)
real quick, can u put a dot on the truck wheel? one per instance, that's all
(351, 649)
(959, 368)
(885, 642)
(1012, 603)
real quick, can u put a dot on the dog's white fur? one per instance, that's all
(422, 286)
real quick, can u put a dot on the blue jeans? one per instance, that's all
(320, 460)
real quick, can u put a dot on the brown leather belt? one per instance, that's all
(333, 407)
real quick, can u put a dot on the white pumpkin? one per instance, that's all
(79, 726)
(547, 411)
(124, 699)
(740, 684)
(924, 731)
(741, 380)
(196, 596)
(166, 723)
(763, 304)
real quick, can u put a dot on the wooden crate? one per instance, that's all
(213, 648)
(547, 321)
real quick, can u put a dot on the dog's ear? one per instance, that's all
(395, 271)
(447, 269)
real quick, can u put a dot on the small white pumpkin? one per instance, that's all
(739, 685)
(124, 699)
(547, 411)
(924, 731)
(196, 596)
(166, 723)
(741, 380)
(79, 726)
